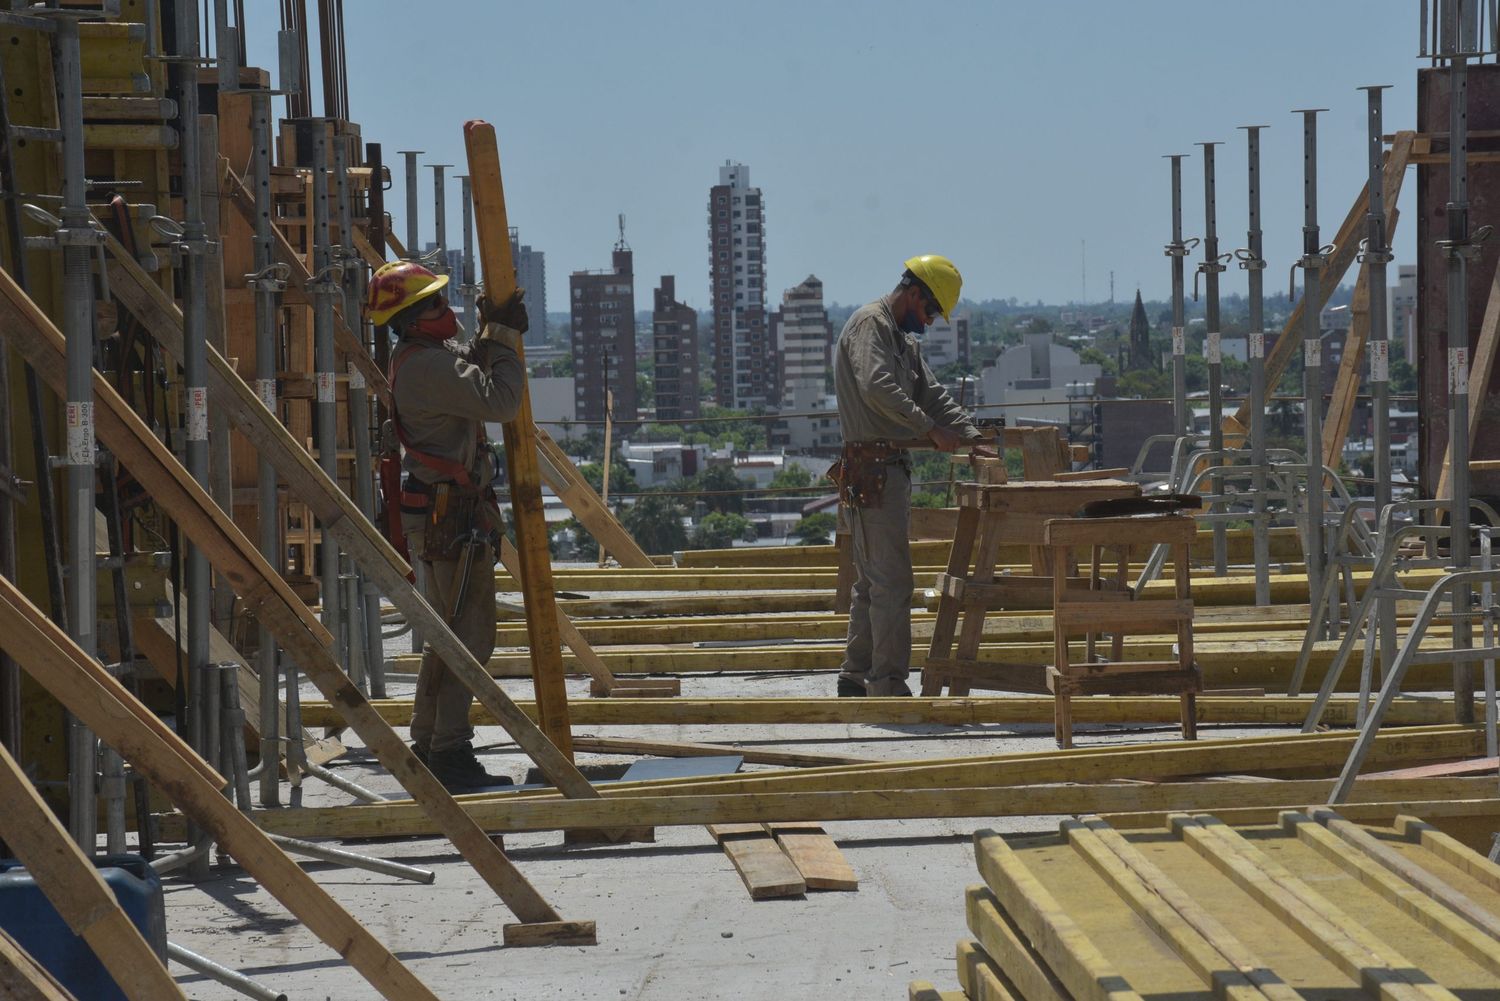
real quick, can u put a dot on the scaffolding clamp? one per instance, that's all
(270, 279)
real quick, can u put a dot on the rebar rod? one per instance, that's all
(77, 238)
(323, 289)
(1211, 267)
(229, 978)
(1459, 249)
(1178, 251)
(467, 290)
(413, 251)
(327, 853)
(364, 600)
(1312, 262)
(268, 509)
(1254, 266)
(1377, 254)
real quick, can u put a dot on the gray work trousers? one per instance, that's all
(440, 716)
(878, 651)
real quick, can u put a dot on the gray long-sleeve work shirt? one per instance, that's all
(446, 391)
(884, 387)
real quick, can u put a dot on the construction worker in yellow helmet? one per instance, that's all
(443, 392)
(887, 394)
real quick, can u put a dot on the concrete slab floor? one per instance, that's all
(674, 919)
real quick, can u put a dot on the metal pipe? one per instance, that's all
(1254, 266)
(78, 239)
(1211, 267)
(1377, 254)
(440, 215)
(339, 782)
(412, 250)
(223, 974)
(1312, 262)
(364, 600)
(226, 48)
(232, 735)
(268, 511)
(323, 289)
(1177, 251)
(1459, 248)
(468, 292)
(324, 853)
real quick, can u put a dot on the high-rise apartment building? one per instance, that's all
(604, 338)
(744, 360)
(802, 340)
(531, 275)
(946, 341)
(1401, 304)
(674, 342)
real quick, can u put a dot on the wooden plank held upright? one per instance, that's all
(499, 269)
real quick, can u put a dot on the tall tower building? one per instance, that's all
(744, 362)
(674, 337)
(531, 275)
(604, 337)
(802, 341)
(1140, 337)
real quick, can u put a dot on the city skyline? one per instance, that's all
(1014, 138)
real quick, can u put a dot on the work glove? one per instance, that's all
(510, 313)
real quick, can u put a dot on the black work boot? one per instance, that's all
(458, 769)
(851, 689)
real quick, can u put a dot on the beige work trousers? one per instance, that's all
(877, 652)
(440, 717)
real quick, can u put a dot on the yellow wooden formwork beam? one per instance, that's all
(516, 814)
(950, 711)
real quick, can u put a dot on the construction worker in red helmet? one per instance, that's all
(886, 393)
(443, 392)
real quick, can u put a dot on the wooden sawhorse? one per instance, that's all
(1094, 606)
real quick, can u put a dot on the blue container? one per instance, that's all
(27, 914)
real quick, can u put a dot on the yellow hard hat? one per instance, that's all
(397, 285)
(941, 278)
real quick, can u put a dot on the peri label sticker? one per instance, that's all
(1257, 345)
(197, 413)
(1380, 361)
(266, 390)
(325, 388)
(1212, 352)
(356, 377)
(1312, 353)
(1458, 370)
(1179, 341)
(80, 419)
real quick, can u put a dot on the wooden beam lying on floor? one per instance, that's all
(1273, 710)
(102, 704)
(679, 749)
(894, 802)
(266, 595)
(1315, 754)
(75, 889)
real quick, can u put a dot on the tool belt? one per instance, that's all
(860, 472)
(456, 517)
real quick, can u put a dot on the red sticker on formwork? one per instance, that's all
(80, 420)
(1380, 361)
(197, 413)
(326, 392)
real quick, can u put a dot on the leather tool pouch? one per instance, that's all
(861, 472)
(451, 523)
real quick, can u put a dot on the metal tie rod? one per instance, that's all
(323, 853)
(223, 974)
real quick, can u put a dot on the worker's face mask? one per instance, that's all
(439, 328)
(911, 321)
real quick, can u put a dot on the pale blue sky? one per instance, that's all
(1000, 134)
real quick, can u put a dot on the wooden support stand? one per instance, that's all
(992, 515)
(1096, 606)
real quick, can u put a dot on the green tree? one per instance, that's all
(645, 390)
(720, 488)
(815, 529)
(655, 522)
(792, 478)
(718, 531)
(621, 477)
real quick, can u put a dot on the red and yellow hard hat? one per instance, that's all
(398, 285)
